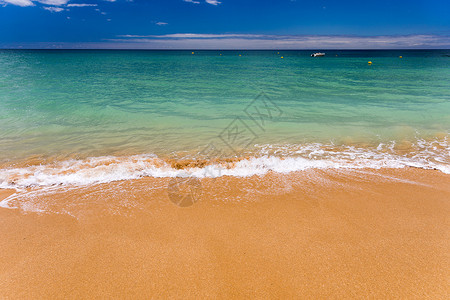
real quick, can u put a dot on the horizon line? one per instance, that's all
(236, 49)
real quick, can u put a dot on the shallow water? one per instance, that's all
(70, 106)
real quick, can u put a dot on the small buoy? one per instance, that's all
(282, 57)
(369, 62)
(240, 55)
(278, 52)
(192, 52)
(220, 54)
(400, 56)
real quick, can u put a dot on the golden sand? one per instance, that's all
(5, 193)
(313, 234)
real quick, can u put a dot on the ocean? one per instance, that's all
(80, 117)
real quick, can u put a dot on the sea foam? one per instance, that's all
(268, 158)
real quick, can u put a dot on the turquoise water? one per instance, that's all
(79, 104)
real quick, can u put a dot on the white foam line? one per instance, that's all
(5, 202)
(294, 158)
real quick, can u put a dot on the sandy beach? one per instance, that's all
(215, 149)
(312, 234)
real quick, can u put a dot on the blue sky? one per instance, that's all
(224, 24)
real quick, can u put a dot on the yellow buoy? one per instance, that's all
(400, 56)
(278, 52)
(240, 55)
(192, 52)
(282, 57)
(369, 62)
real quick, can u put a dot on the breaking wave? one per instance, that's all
(283, 159)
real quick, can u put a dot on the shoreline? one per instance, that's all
(311, 234)
(212, 163)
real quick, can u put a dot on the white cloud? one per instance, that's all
(54, 9)
(273, 42)
(31, 2)
(213, 2)
(47, 2)
(195, 35)
(54, 2)
(80, 5)
(257, 41)
(22, 3)
(54, 5)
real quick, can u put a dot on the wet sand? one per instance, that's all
(312, 234)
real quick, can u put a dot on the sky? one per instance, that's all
(225, 24)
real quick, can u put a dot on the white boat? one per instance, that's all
(317, 54)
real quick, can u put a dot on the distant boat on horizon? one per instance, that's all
(317, 54)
